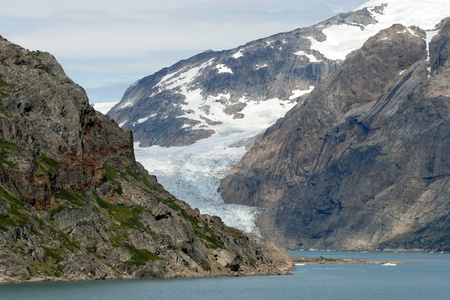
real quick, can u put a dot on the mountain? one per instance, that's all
(214, 93)
(75, 204)
(363, 161)
(195, 120)
(192, 121)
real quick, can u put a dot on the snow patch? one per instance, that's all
(224, 69)
(343, 39)
(238, 54)
(261, 66)
(142, 120)
(126, 104)
(182, 77)
(123, 123)
(430, 35)
(311, 57)
(299, 93)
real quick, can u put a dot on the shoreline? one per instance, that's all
(341, 261)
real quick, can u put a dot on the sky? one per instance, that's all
(107, 45)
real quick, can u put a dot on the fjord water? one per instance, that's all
(423, 276)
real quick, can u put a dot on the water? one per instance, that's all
(425, 276)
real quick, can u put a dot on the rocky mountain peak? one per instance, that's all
(362, 163)
(203, 110)
(75, 205)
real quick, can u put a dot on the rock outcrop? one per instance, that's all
(363, 162)
(75, 205)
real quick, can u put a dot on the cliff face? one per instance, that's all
(74, 203)
(363, 162)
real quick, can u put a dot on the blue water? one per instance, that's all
(424, 276)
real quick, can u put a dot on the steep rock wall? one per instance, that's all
(363, 162)
(75, 205)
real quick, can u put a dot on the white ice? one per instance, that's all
(311, 57)
(223, 69)
(193, 173)
(238, 54)
(343, 39)
(104, 107)
(299, 93)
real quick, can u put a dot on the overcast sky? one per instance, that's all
(106, 45)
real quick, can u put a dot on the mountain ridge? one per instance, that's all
(75, 204)
(363, 162)
(202, 125)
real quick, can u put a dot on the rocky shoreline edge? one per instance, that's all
(336, 261)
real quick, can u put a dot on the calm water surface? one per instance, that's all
(425, 276)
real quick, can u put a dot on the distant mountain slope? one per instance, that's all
(75, 205)
(214, 91)
(217, 102)
(363, 162)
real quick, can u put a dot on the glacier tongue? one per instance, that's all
(193, 174)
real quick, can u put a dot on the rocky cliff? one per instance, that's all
(75, 205)
(363, 162)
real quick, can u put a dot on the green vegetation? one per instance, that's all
(54, 255)
(140, 256)
(47, 164)
(3, 160)
(45, 268)
(89, 250)
(133, 174)
(68, 242)
(143, 180)
(112, 175)
(128, 217)
(16, 216)
(39, 221)
(7, 144)
(72, 197)
(2, 82)
(102, 203)
(252, 261)
(202, 231)
(39, 65)
(20, 246)
(56, 210)
(4, 154)
(43, 68)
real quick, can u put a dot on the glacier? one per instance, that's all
(193, 173)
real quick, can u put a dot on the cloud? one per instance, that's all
(135, 38)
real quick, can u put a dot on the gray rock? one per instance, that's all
(74, 203)
(363, 162)
(268, 68)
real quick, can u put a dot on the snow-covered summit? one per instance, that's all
(342, 39)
